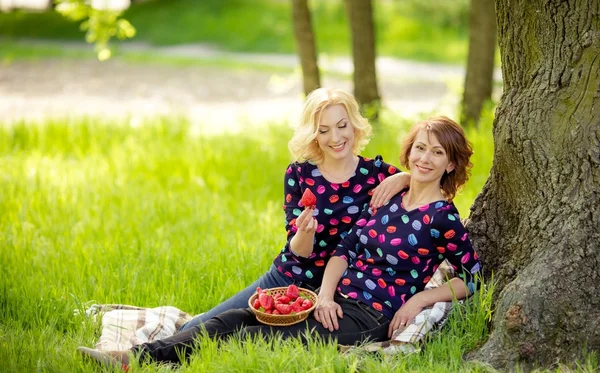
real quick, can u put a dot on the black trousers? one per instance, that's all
(360, 323)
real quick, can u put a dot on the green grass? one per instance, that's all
(154, 215)
(12, 51)
(147, 216)
(429, 31)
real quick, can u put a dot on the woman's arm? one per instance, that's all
(328, 311)
(303, 241)
(452, 237)
(388, 188)
(391, 182)
(300, 224)
(453, 289)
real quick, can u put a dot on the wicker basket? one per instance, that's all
(283, 320)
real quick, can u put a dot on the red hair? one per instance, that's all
(458, 149)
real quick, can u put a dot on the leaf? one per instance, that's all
(100, 25)
(125, 29)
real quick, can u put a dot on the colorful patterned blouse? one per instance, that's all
(393, 253)
(338, 208)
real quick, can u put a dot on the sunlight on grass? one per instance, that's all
(151, 215)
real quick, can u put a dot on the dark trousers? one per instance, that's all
(271, 279)
(360, 323)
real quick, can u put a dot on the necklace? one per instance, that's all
(410, 205)
(338, 177)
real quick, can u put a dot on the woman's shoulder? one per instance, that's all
(377, 164)
(375, 161)
(300, 168)
(370, 164)
(444, 212)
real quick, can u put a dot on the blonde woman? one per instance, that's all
(325, 145)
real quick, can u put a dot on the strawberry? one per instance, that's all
(266, 301)
(307, 304)
(297, 305)
(276, 311)
(256, 303)
(308, 199)
(284, 309)
(292, 292)
(284, 299)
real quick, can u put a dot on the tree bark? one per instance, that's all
(305, 42)
(536, 223)
(360, 16)
(480, 63)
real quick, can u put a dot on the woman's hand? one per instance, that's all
(327, 313)
(405, 314)
(306, 222)
(388, 188)
(302, 242)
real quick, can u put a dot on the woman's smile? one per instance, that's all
(339, 147)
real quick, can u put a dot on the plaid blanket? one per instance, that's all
(125, 326)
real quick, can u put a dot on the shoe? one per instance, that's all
(105, 358)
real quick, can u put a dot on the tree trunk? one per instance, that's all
(480, 63)
(536, 223)
(360, 16)
(305, 41)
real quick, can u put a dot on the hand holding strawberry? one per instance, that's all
(307, 223)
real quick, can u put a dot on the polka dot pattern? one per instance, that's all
(393, 253)
(338, 208)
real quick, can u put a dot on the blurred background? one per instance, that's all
(228, 65)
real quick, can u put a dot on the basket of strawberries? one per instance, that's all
(282, 306)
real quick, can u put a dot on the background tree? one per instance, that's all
(480, 63)
(305, 43)
(100, 25)
(360, 16)
(536, 222)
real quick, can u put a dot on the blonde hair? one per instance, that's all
(458, 149)
(303, 145)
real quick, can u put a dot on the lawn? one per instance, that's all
(153, 215)
(435, 30)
